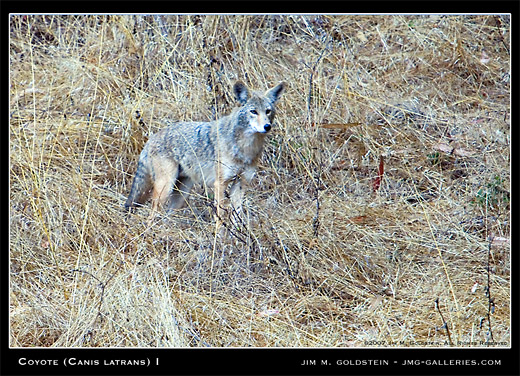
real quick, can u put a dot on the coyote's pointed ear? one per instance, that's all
(241, 92)
(274, 93)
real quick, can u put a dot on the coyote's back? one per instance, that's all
(212, 153)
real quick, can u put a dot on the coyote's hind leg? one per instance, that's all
(165, 174)
(179, 195)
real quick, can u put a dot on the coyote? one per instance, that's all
(218, 153)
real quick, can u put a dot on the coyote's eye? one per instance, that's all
(267, 112)
(254, 112)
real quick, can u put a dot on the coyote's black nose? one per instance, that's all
(267, 127)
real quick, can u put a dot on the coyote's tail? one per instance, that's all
(141, 187)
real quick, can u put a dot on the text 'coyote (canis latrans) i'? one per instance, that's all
(213, 153)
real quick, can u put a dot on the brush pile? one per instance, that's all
(379, 216)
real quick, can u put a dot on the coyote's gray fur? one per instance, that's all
(213, 153)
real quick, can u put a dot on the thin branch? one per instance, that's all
(445, 324)
(491, 301)
(313, 70)
(316, 219)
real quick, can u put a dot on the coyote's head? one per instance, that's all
(257, 109)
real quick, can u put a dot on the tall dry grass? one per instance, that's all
(328, 255)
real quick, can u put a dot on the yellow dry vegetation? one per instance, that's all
(321, 259)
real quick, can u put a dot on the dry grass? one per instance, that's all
(324, 259)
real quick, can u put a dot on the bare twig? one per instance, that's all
(101, 284)
(313, 70)
(444, 323)
(316, 219)
(491, 301)
(498, 22)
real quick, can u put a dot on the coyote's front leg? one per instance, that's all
(220, 189)
(219, 198)
(236, 194)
